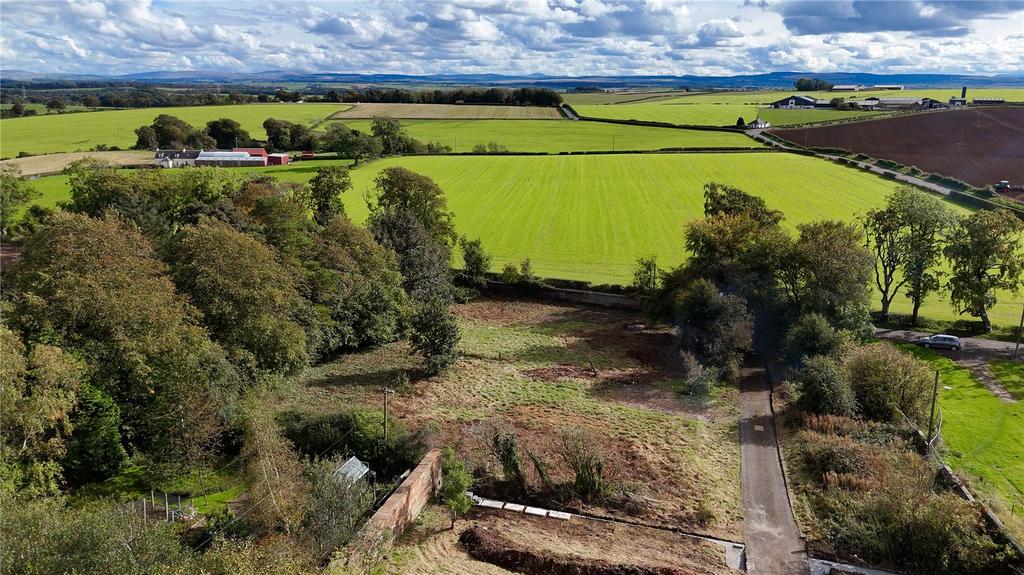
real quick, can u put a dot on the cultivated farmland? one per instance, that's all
(450, 111)
(83, 131)
(980, 146)
(547, 136)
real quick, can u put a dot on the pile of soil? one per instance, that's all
(489, 546)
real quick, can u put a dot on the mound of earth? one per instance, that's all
(539, 545)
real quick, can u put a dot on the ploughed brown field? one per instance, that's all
(980, 146)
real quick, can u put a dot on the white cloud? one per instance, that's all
(513, 36)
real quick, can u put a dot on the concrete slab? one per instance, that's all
(514, 507)
(536, 511)
(559, 515)
(490, 503)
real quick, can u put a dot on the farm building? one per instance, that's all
(227, 159)
(175, 158)
(801, 102)
(277, 159)
(955, 102)
(252, 151)
(846, 88)
(758, 124)
(876, 103)
(987, 101)
(887, 87)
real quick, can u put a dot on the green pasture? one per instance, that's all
(74, 132)
(620, 97)
(983, 434)
(782, 117)
(564, 136)
(590, 217)
(41, 108)
(690, 114)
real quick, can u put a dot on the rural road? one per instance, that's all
(774, 544)
(970, 343)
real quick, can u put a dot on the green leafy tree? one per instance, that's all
(811, 335)
(435, 335)
(351, 143)
(927, 220)
(827, 269)
(455, 482)
(724, 199)
(713, 325)
(985, 253)
(824, 387)
(358, 283)
(38, 389)
(95, 451)
(146, 138)
(390, 133)
(337, 507)
(248, 298)
(400, 189)
(885, 234)
(15, 193)
(96, 286)
(326, 188)
(228, 133)
(423, 261)
(476, 262)
(887, 381)
(55, 105)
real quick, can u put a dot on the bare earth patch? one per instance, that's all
(52, 163)
(539, 545)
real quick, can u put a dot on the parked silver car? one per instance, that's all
(941, 341)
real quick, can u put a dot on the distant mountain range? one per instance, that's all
(770, 80)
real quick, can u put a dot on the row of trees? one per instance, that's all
(387, 137)
(500, 96)
(141, 316)
(914, 234)
(138, 95)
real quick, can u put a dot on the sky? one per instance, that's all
(516, 37)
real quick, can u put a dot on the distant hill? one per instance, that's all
(777, 80)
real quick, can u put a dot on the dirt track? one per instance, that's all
(980, 146)
(774, 546)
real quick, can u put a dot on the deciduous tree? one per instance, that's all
(986, 256)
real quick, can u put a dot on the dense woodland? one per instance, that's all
(144, 321)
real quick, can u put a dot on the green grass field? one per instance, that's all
(559, 136)
(983, 434)
(620, 97)
(590, 217)
(780, 117)
(73, 132)
(689, 114)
